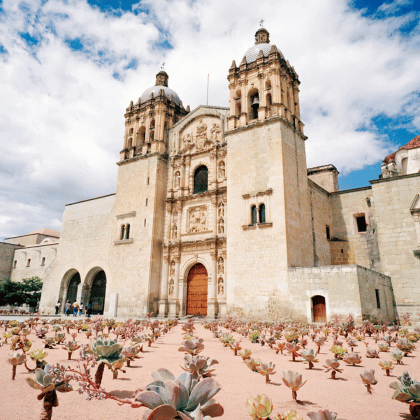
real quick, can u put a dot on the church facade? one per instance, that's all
(216, 213)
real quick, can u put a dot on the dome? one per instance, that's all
(251, 54)
(155, 90)
(412, 144)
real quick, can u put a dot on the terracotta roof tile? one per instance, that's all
(412, 144)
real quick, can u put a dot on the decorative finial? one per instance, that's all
(262, 23)
(163, 66)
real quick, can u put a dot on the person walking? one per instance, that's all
(67, 308)
(89, 309)
(57, 307)
(81, 309)
(75, 308)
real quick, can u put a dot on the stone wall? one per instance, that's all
(6, 260)
(348, 290)
(325, 176)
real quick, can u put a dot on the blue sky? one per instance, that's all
(70, 68)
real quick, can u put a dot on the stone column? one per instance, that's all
(212, 285)
(63, 301)
(163, 303)
(245, 104)
(79, 292)
(221, 299)
(213, 163)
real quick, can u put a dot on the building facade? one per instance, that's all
(216, 213)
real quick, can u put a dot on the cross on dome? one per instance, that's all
(262, 23)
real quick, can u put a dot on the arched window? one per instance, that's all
(122, 232)
(130, 143)
(127, 232)
(201, 179)
(254, 215)
(141, 136)
(262, 213)
(254, 103)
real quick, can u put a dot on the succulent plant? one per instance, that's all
(386, 366)
(293, 380)
(319, 342)
(235, 346)
(323, 415)
(407, 389)
(260, 407)
(16, 359)
(253, 364)
(368, 378)
(131, 352)
(338, 352)
(71, 346)
(383, 347)
(397, 355)
(255, 336)
(332, 365)
(198, 366)
(310, 357)
(291, 336)
(184, 397)
(405, 345)
(7, 335)
(372, 353)
(266, 369)
(245, 354)
(45, 382)
(352, 359)
(227, 340)
(38, 354)
(293, 349)
(49, 342)
(279, 347)
(352, 344)
(289, 415)
(193, 346)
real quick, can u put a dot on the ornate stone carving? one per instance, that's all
(171, 287)
(197, 221)
(172, 271)
(174, 231)
(222, 170)
(177, 179)
(201, 135)
(221, 209)
(221, 265)
(215, 133)
(220, 286)
(221, 225)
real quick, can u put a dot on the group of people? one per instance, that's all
(74, 308)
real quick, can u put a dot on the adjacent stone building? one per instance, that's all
(216, 213)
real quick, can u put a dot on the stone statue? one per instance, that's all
(221, 226)
(215, 132)
(174, 231)
(171, 287)
(222, 170)
(221, 265)
(220, 288)
(203, 219)
(172, 268)
(178, 179)
(221, 209)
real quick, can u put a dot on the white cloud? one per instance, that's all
(61, 113)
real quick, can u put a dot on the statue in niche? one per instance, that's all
(174, 231)
(187, 139)
(215, 132)
(201, 134)
(222, 170)
(221, 225)
(221, 211)
(221, 265)
(203, 220)
(220, 288)
(172, 268)
(171, 287)
(177, 179)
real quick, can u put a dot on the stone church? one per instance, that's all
(216, 213)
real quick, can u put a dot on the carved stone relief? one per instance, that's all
(174, 231)
(171, 287)
(197, 219)
(220, 286)
(202, 134)
(222, 170)
(172, 268)
(221, 265)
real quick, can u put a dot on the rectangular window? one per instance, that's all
(144, 222)
(148, 180)
(146, 201)
(378, 301)
(28, 263)
(327, 231)
(361, 223)
(14, 264)
(43, 261)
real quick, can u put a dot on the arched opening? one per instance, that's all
(152, 131)
(72, 289)
(201, 179)
(254, 103)
(130, 143)
(97, 293)
(253, 215)
(238, 103)
(122, 232)
(197, 290)
(319, 310)
(127, 232)
(131, 132)
(141, 136)
(261, 212)
(404, 164)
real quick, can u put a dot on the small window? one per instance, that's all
(122, 232)
(14, 264)
(262, 213)
(378, 301)
(28, 263)
(144, 222)
(361, 223)
(148, 180)
(147, 201)
(327, 231)
(254, 215)
(43, 261)
(127, 232)
(201, 179)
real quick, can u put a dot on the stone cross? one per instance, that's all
(163, 65)
(262, 22)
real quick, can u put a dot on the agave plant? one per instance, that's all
(253, 364)
(368, 378)
(198, 366)
(293, 380)
(323, 415)
(397, 355)
(44, 381)
(407, 390)
(245, 354)
(310, 357)
(131, 352)
(16, 359)
(386, 366)
(372, 353)
(352, 359)
(266, 369)
(71, 346)
(193, 346)
(109, 353)
(332, 365)
(260, 407)
(168, 398)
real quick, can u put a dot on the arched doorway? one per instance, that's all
(97, 293)
(197, 290)
(319, 309)
(72, 289)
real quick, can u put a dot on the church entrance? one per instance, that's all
(197, 290)
(72, 289)
(319, 309)
(97, 293)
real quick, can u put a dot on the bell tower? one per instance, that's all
(270, 228)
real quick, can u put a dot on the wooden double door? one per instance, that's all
(197, 290)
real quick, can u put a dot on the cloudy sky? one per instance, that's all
(69, 68)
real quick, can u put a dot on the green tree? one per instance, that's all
(17, 293)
